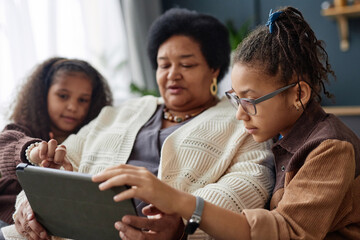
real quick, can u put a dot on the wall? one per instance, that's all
(345, 64)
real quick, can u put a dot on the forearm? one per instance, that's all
(12, 150)
(218, 222)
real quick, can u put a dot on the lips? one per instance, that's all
(251, 130)
(175, 89)
(69, 119)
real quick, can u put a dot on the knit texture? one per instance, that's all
(14, 139)
(212, 156)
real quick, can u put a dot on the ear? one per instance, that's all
(215, 73)
(303, 91)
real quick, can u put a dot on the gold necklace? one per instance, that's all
(173, 118)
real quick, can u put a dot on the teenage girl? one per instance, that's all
(278, 74)
(58, 98)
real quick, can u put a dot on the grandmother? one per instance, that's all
(189, 138)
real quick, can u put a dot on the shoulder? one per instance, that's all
(133, 103)
(222, 113)
(333, 128)
(17, 128)
(128, 111)
(219, 120)
(223, 108)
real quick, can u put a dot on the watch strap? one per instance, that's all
(199, 207)
(195, 219)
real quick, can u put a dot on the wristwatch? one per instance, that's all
(195, 219)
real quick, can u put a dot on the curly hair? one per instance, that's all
(30, 107)
(206, 30)
(292, 48)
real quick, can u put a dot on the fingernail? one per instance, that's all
(126, 220)
(118, 225)
(122, 235)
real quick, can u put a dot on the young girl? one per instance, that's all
(59, 98)
(277, 78)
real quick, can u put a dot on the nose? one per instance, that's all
(72, 105)
(241, 114)
(174, 73)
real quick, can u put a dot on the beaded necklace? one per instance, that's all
(170, 117)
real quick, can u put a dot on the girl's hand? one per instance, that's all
(144, 185)
(51, 155)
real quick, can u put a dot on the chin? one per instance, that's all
(258, 138)
(67, 129)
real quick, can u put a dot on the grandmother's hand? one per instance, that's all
(51, 155)
(26, 224)
(164, 226)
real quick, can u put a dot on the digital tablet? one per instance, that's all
(70, 205)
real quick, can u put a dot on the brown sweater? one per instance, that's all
(317, 190)
(14, 140)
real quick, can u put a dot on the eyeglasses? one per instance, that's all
(249, 104)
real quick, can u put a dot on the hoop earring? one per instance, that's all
(214, 87)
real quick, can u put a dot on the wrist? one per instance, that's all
(184, 205)
(30, 157)
(195, 219)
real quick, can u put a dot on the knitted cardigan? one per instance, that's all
(212, 156)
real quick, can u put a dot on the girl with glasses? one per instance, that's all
(278, 75)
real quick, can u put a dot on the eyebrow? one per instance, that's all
(67, 91)
(181, 56)
(245, 91)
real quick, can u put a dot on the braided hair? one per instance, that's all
(291, 49)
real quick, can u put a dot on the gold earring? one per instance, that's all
(214, 87)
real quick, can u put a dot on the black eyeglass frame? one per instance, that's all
(231, 96)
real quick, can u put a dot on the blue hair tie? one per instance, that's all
(272, 19)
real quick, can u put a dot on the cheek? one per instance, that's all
(200, 88)
(160, 80)
(85, 110)
(52, 107)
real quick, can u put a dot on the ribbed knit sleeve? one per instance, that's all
(14, 140)
(247, 182)
(312, 198)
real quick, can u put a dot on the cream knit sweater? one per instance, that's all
(212, 156)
